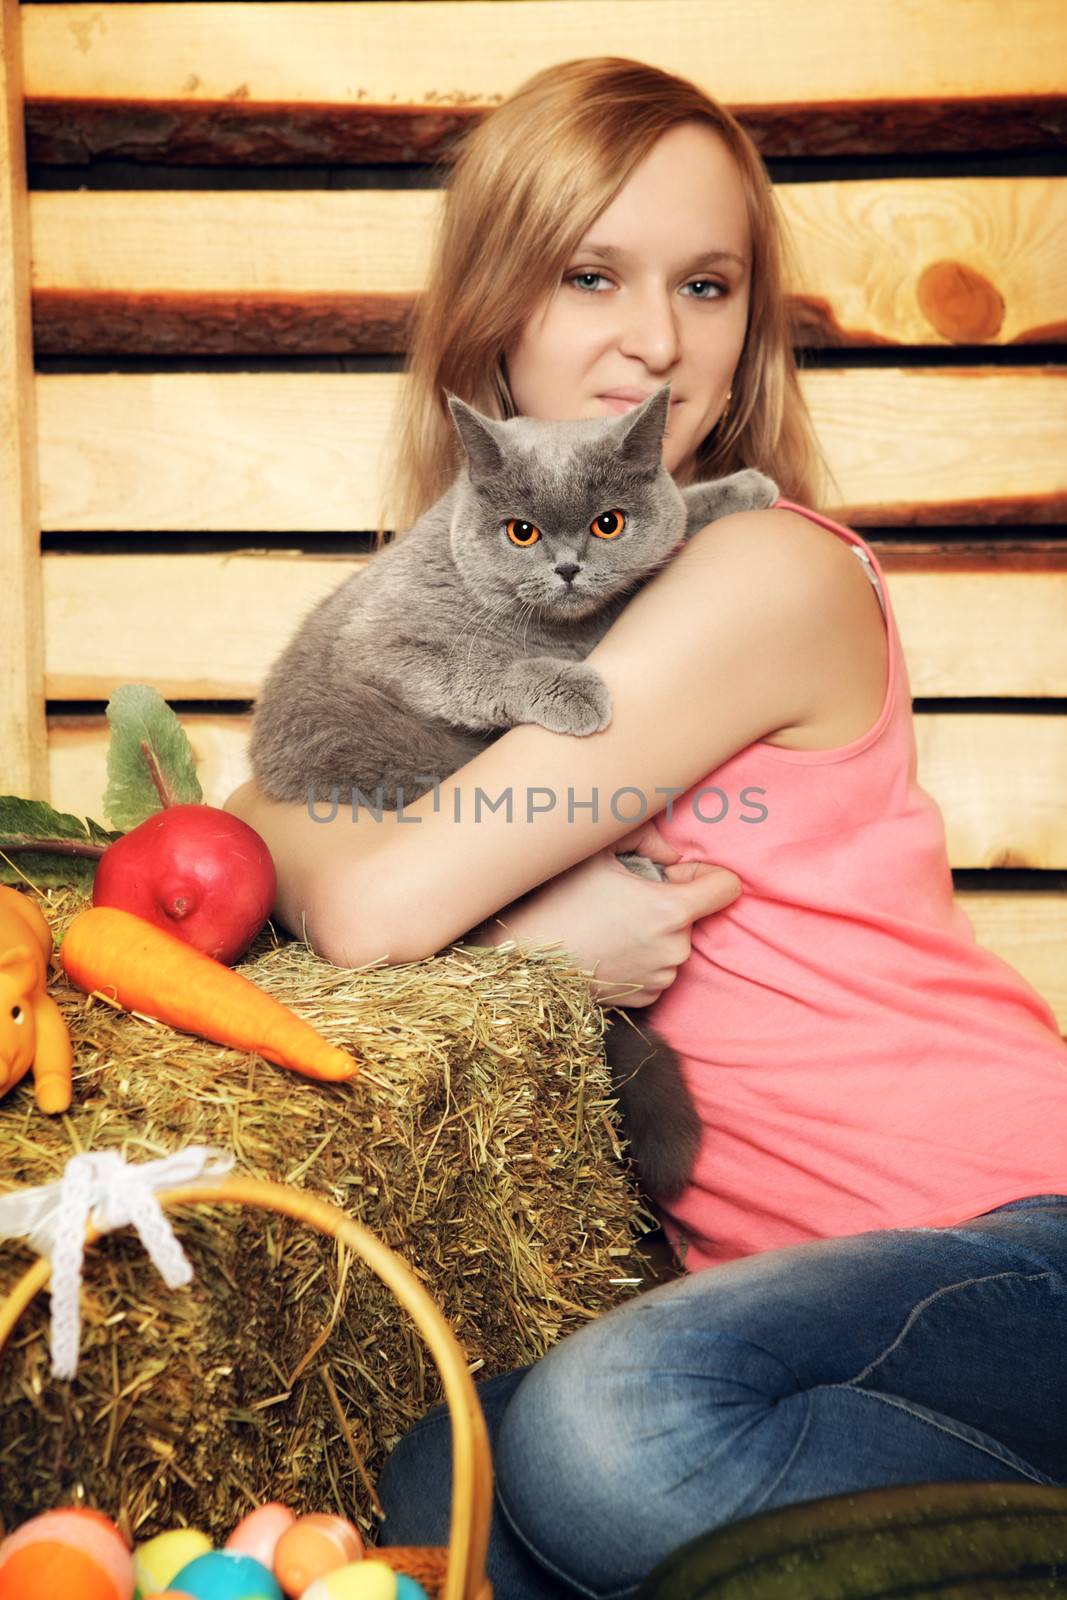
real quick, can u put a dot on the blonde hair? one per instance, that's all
(527, 183)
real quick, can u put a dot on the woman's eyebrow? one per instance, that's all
(611, 252)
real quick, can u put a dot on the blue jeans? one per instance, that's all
(896, 1356)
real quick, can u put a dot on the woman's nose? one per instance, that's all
(650, 331)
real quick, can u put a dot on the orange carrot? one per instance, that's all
(147, 969)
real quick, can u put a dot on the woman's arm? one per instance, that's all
(306, 853)
(629, 934)
(726, 644)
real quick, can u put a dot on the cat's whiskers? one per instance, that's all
(501, 610)
(484, 618)
(484, 615)
(530, 607)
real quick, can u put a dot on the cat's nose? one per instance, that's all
(567, 569)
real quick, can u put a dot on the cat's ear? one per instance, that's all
(484, 454)
(640, 431)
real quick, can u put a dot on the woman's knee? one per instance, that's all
(634, 1434)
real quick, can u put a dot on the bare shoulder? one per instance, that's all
(802, 550)
(823, 608)
(786, 564)
(817, 615)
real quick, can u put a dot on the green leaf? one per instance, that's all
(150, 761)
(64, 850)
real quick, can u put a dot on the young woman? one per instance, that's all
(875, 1234)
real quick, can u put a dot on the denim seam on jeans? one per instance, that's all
(557, 1572)
(771, 1487)
(971, 1436)
(916, 1311)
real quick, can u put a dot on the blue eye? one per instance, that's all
(575, 278)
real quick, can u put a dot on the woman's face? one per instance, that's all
(656, 292)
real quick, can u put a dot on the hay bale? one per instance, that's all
(481, 1146)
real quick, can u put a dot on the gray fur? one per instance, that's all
(453, 634)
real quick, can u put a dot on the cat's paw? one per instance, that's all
(752, 490)
(584, 705)
(747, 490)
(562, 696)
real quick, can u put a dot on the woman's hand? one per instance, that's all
(633, 932)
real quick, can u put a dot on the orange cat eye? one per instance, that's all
(609, 525)
(521, 533)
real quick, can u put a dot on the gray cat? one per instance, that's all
(479, 619)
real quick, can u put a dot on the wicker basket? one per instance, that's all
(455, 1573)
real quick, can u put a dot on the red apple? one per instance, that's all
(199, 872)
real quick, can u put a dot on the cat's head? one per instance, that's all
(562, 516)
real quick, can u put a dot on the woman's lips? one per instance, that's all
(614, 403)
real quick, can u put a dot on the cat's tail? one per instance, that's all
(659, 1118)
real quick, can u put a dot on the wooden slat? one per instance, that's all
(23, 737)
(933, 261)
(305, 241)
(229, 273)
(990, 632)
(969, 627)
(198, 627)
(911, 447)
(302, 451)
(999, 779)
(906, 261)
(228, 451)
(377, 81)
(1029, 930)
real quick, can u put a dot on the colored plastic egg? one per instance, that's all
(360, 1580)
(311, 1548)
(408, 1589)
(73, 1551)
(157, 1560)
(258, 1534)
(224, 1575)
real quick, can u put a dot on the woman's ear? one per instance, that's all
(477, 433)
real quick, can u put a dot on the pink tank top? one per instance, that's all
(858, 1061)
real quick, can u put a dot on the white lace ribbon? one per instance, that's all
(111, 1192)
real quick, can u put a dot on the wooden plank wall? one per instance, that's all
(230, 211)
(23, 734)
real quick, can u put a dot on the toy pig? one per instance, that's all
(32, 1030)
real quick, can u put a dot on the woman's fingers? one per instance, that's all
(701, 888)
(647, 840)
(697, 889)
